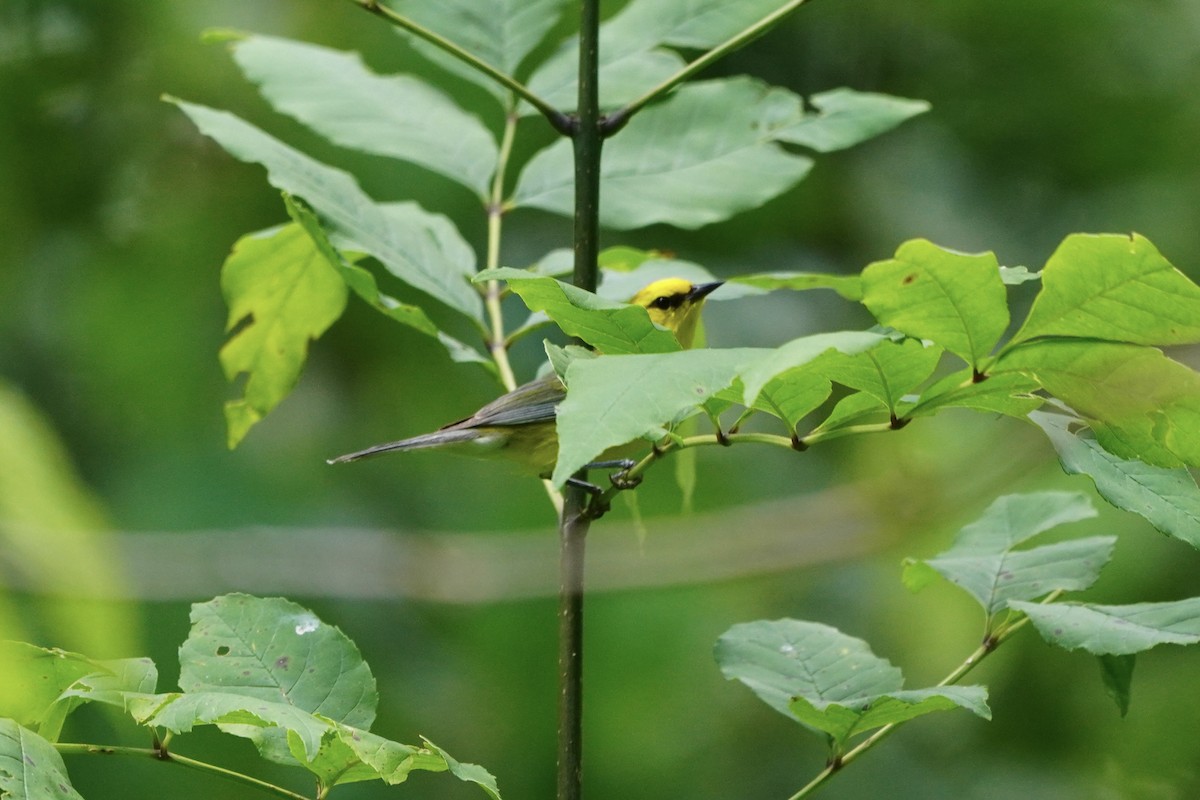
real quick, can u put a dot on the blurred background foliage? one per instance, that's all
(119, 503)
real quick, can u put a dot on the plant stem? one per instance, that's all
(497, 344)
(183, 761)
(574, 520)
(616, 120)
(560, 121)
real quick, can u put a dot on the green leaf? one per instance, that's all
(1010, 394)
(1117, 288)
(499, 32)
(828, 681)
(1117, 674)
(887, 371)
(1168, 498)
(848, 286)
(624, 74)
(854, 409)
(334, 761)
(847, 117)
(856, 716)
(471, 773)
(794, 394)
(398, 116)
(701, 156)
(1141, 404)
(30, 767)
(614, 400)
(630, 62)
(362, 282)
(610, 327)
(800, 352)
(953, 299)
(282, 291)
(274, 650)
(389, 761)
(1115, 630)
(421, 249)
(984, 560)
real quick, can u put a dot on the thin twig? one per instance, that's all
(158, 754)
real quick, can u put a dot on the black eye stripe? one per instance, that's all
(668, 301)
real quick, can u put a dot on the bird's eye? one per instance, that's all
(663, 303)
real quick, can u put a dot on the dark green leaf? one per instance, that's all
(952, 299)
(1115, 630)
(846, 118)
(1168, 498)
(399, 116)
(30, 767)
(1117, 674)
(701, 156)
(1112, 287)
(471, 773)
(422, 249)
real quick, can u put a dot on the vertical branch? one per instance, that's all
(573, 523)
(497, 346)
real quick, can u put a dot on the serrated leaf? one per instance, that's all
(800, 352)
(846, 118)
(701, 156)
(984, 560)
(422, 249)
(828, 681)
(610, 327)
(1115, 630)
(30, 767)
(953, 299)
(1141, 404)
(1168, 498)
(614, 400)
(334, 761)
(848, 286)
(397, 116)
(239, 713)
(887, 371)
(1117, 288)
(1010, 394)
(1117, 674)
(392, 762)
(274, 650)
(283, 292)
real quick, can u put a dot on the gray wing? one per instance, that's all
(532, 402)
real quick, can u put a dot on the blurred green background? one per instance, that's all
(119, 503)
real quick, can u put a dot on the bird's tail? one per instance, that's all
(435, 439)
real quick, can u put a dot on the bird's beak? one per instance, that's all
(703, 290)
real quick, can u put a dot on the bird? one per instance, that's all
(520, 425)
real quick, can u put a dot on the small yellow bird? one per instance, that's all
(520, 425)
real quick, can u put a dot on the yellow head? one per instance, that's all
(675, 304)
